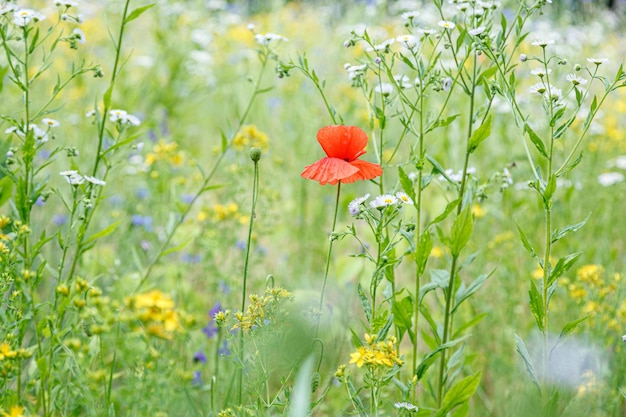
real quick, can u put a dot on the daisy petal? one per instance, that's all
(329, 170)
(343, 142)
(366, 171)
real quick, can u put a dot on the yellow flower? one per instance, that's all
(436, 252)
(15, 411)
(591, 274)
(250, 135)
(478, 211)
(359, 357)
(6, 351)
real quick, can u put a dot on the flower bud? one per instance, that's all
(255, 154)
(523, 57)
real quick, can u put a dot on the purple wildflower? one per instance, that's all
(199, 356)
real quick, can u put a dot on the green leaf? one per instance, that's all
(459, 394)
(6, 190)
(570, 327)
(536, 140)
(224, 141)
(486, 74)
(536, 305)
(464, 293)
(104, 232)
(446, 212)
(424, 247)
(176, 248)
(550, 189)
(562, 266)
(137, 12)
(550, 408)
(441, 122)
(367, 307)
(439, 279)
(408, 62)
(430, 358)
(525, 242)
(382, 333)
(479, 135)
(458, 330)
(107, 97)
(462, 229)
(560, 233)
(406, 183)
(402, 311)
(520, 346)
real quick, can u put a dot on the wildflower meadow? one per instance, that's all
(312, 208)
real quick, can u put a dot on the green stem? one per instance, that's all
(447, 328)
(255, 193)
(328, 257)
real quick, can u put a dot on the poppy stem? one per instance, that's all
(330, 250)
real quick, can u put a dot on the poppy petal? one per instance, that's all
(343, 142)
(367, 171)
(329, 170)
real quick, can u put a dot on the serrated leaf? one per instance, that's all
(462, 229)
(479, 135)
(406, 183)
(460, 393)
(560, 233)
(536, 305)
(536, 140)
(520, 347)
(138, 12)
(365, 303)
(104, 232)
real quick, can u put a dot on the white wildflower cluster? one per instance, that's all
(357, 206)
(267, 38)
(123, 117)
(456, 176)
(74, 178)
(610, 178)
(24, 17)
(40, 135)
(355, 72)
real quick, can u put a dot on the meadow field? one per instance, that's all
(373, 208)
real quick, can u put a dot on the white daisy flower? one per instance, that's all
(575, 79)
(50, 122)
(404, 198)
(543, 42)
(385, 89)
(267, 38)
(610, 178)
(403, 81)
(407, 406)
(479, 30)
(6, 8)
(65, 3)
(79, 35)
(598, 61)
(94, 180)
(354, 206)
(410, 41)
(410, 15)
(540, 72)
(446, 24)
(383, 201)
(538, 88)
(22, 17)
(73, 177)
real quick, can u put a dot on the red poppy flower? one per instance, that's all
(343, 146)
